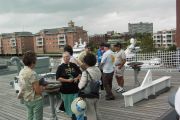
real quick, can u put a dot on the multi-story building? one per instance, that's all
(117, 37)
(164, 39)
(16, 43)
(140, 28)
(178, 24)
(98, 38)
(54, 40)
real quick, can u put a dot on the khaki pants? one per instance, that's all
(91, 111)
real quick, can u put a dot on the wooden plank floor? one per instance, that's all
(152, 109)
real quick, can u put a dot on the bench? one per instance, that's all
(147, 88)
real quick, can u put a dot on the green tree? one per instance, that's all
(145, 42)
(172, 48)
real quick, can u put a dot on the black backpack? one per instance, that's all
(91, 89)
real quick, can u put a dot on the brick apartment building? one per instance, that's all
(164, 38)
(54, 40)
(98, 38)
(16, 43)
(178, 24)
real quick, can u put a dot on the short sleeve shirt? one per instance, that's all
(119, 57)
(26, 79)
(67, 71)
(108, 61)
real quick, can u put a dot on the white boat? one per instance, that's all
(78, 48)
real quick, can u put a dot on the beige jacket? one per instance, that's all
(93, 71)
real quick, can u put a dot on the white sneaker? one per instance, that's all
(118, 88)
(121, 90)
(57, 110)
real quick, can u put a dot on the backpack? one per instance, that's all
(91, 89)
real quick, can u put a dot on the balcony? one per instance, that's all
(62, 43)
(13, 42)
(39, 41)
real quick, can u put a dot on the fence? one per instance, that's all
(164, 60)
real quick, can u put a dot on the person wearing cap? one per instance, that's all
(120, 60)
(87, 49)
(106, 65)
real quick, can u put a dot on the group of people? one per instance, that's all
(72, 73)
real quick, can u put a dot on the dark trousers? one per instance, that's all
(107, 82)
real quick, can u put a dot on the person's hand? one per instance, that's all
(119, 67)
(71, 80)
(76, 80)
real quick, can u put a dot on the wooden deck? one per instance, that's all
(151, 109)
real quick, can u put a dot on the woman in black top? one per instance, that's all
(69, 74)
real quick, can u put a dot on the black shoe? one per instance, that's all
(73, 117)
(61, 107)
(110, 98)
(102, 87)
(85, 118)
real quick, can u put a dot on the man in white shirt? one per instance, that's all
(120, 60)
(108, 71)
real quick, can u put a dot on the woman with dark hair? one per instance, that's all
(95, 73)
(30, 88)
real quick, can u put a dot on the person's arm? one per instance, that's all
(122, 63)
(35, 84)
(37, 88)
(65, 80)
(83, 80)
(103, 60)
(123, 60)
(59, 74)
(76, 79)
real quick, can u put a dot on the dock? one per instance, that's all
(151, 109)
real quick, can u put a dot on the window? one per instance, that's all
(39, 41)
(13, 42)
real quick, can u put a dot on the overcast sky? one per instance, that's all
(96, 16)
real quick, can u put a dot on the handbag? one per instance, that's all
(91, 88)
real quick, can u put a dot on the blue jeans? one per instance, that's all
(35, 109)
